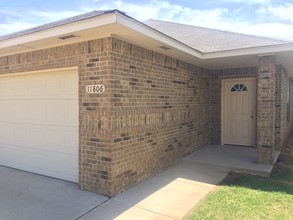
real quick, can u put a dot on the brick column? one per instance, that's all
(95, 153)
(266, 109)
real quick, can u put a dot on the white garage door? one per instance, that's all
(39, 123)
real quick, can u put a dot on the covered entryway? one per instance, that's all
(238, 107)
(39, 123)
(231, 157)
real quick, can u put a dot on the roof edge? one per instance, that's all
(259, 50)
(59, 23)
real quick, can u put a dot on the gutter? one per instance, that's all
(261, 50)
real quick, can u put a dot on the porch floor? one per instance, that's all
(234, 158)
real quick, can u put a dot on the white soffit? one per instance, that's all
(110, 24)
(127, 28)
(249, 57)
(59, 31)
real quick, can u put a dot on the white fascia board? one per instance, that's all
(262, 50)
(60, 30)
(152, 33)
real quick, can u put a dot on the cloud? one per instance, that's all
(162, 10)
(271, 30)
(249, 2)
(14, 20)
(279, 12)
(219, 18)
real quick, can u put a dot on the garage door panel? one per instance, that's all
(20, 87)
(71, 144)
(53, 86)
(43, 162)
(36, 87)
(70, 88)
(52, 112)
(39, 123)
(55, 112)
(5, 111)
(20, 111)
(20, 134)
(6, 90)
(37, 112)
(71, 110)
(6, 134)
(35, 137)
(55, 139)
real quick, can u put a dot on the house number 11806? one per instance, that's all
(95, 88)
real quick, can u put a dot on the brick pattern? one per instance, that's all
(266, 109)
(157, 101)
(95, 156)
(92, 59)
(282, 124)
(290, 125)
(154, 111)
(216, 93)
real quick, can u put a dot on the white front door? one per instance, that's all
(238, 112)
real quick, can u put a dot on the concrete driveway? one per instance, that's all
(27, 196)
(169, 195)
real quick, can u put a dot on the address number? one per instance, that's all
(95, 88)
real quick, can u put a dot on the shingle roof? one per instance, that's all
(209, 40)
(199, 38)
(57, 23)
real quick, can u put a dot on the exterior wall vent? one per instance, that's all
(164, 47)
(66, 37)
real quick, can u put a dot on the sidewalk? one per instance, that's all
(169, 195)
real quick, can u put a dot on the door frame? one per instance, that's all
(223, 108)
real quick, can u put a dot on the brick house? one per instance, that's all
(106, 101)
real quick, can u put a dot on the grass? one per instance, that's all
(252, 197)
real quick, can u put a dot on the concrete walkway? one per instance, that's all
(27, 196)
(234, 158)
(169, 195)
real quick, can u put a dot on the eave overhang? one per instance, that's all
(116, 23)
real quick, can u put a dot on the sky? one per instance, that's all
(268, 18)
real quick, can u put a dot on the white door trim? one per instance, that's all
(222, 107)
